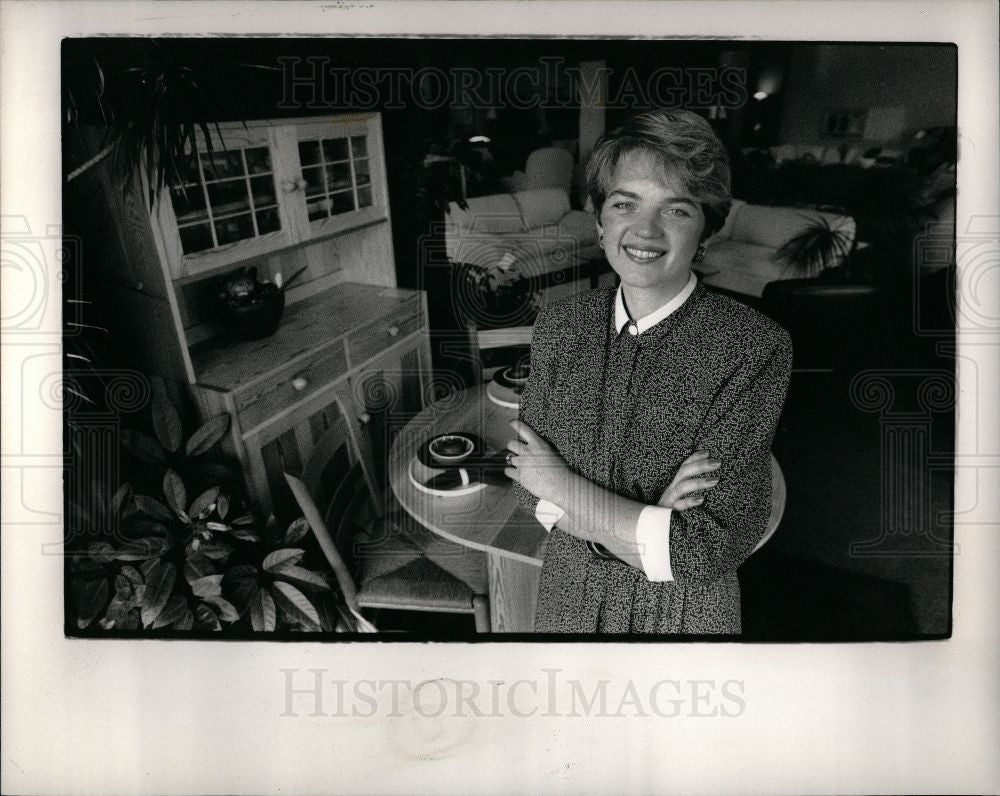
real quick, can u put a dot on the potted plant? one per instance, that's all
(178, 561)
(816, 247)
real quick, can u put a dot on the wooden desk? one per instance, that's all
(489, 520)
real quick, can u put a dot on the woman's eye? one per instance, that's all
(622, 205)
(678, 212)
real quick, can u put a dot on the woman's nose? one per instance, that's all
(647, 225)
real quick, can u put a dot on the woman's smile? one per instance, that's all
(643, 254)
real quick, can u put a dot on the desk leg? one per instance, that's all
(513, 594)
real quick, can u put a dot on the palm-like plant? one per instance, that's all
(816, 247)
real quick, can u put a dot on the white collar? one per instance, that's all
(621, 314)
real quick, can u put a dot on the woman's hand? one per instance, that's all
(537, 466)
(695, 475)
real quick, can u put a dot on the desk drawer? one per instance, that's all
(369, 340)
(289, 386)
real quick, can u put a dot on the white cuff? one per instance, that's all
(548, 514)
(652, 535)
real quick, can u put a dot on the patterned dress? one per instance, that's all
(625, 412)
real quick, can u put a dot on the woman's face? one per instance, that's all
(652, 227)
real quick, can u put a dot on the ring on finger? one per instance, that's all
(510, 459)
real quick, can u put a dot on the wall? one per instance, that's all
(917, 79)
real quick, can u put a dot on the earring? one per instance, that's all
(600, 239)
(699, 254)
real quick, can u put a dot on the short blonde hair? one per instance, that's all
(684, 144)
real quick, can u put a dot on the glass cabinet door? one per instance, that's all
(228, 206)
(340, 171)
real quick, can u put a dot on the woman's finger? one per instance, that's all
(524, 431)
(696, 456)
(696, 468)
(516, 446)
(688, 503)
(685, 488)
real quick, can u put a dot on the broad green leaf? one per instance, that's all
(221, 527)
(263, 616)
(303, 577)
(241, 572)
(174, 492)
(143, 549)
(296, 605)
(174, 610)
(91, 598)
(120, 499)
(147, 566)
(217, 551)
(143, 447)
(245, 535)
(283, 558)
(130, 621)
(205, 618)
(207, 435)
(197, 566)
(208, 586)
(186, 622)
(298, 529)
(227, 611)
(134, 576)
(222, 505)
(202, 505)
(214, 472)
(117, 608)
(159, 585)
(151, 507)
(166, 422)
(101, 551)
(245, 519)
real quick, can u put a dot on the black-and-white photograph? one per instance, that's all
(431, 339)
(499, 397)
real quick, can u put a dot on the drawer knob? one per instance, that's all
(364, 418)
(393, 331)
(288, 185)
(299, 384)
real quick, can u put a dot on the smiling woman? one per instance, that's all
(646, 423)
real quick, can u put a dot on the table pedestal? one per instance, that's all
(513, 594)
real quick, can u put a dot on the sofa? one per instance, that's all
(533, 231)
(742, 256)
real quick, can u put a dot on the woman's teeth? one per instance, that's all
(643, 254)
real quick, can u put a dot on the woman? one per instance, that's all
(626, 383)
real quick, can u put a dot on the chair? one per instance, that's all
(833, 325)
(387, 561)
(491, 349)
(549, 167)
(779, 494)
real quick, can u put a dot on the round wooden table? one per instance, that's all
(490, 519)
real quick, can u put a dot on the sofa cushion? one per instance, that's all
(542, 206)
(726, 232)
(743, 267)
(496, 214)
(775, 226)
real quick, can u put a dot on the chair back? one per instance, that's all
(779, 495)
(494, 348)
(833, 325)
(549, 167)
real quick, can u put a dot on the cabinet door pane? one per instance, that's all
(232, 200)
